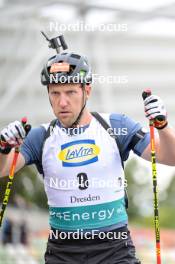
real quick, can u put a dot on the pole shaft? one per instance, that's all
(9, 184)
(155, 192)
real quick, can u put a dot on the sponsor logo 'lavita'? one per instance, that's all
(79, 153)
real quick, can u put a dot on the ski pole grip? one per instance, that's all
(147, 93)
(26, 126)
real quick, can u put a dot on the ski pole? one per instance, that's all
(27, 128)
(145, 94)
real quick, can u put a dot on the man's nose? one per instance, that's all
(63, 101)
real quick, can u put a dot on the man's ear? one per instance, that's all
(88, 90)
(48, 94)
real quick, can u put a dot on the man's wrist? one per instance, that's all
(160, 125)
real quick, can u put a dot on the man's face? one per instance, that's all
(67, 101)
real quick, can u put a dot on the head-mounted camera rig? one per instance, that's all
(56, 43)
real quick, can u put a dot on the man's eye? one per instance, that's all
(71, 92)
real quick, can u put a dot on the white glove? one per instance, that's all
(13, 134)
(155, 110)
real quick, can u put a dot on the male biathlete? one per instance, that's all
(76, 154)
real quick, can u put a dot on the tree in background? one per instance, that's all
(140, 192)
(27, 189)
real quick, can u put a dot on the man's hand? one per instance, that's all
(155, 110)
(11, 136)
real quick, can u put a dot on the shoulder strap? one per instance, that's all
(47, 135)
(110, 131)
(50, 128)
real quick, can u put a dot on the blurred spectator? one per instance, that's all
(7, 232)
(23, 233)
